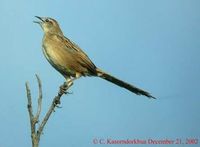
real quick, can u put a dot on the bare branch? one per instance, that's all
(39, 108)
(31, 116)
(28, 92)
(55, 103)
(35, 134)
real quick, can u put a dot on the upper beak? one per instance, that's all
(40, 18)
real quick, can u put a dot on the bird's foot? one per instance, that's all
(57, 101)
(64, 88)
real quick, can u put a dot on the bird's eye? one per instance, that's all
(47, 20)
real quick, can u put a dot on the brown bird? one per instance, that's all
(68, 58)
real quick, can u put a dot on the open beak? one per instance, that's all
(41, 20)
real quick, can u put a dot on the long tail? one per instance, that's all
(123, 84)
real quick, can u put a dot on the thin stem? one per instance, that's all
(39, 99)
(35, 135)
(54, 104)
(31, 116)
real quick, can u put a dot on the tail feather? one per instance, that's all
(123, 84)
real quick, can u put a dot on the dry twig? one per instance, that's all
(34, 119)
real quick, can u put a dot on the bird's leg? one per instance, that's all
(69, 82)
(65, 86)
(71, 79)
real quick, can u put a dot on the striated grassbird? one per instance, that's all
(70, 60)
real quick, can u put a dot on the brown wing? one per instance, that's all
(75, 58)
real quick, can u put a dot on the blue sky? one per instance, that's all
(151, 44)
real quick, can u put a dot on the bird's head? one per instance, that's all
(49, 25)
